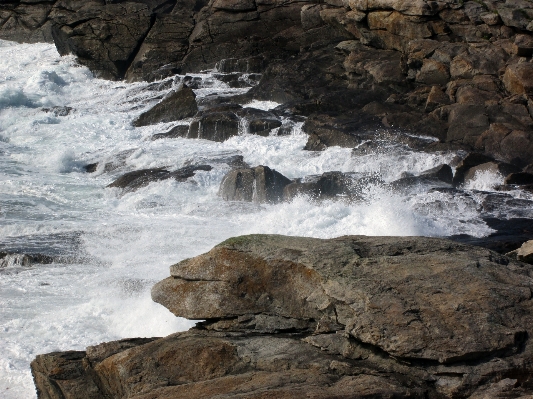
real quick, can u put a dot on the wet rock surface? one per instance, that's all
(459, 72)
(350, 317)
(132, 181)
(176, 105)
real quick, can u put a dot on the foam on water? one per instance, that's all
(126, 242)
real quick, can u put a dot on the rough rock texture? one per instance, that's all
(351, 317)
(260, 184)
(132, 181)
(458, 71)
(177, 105)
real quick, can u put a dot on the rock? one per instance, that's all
(354, 281)
(258, 122)
(500, 168)
(260, 184)
(433, 73)
(175, 132)
(8, 260)
(26, 21)
(176, 105)
(215, 126)
(518, 78)
(105, 37)
(329, 185)
(523, 45)
(519, 178)
(525, 252)
(351, 317)
(116, 161)
(513, 146)
(439, 176)
(132, 181)
(471, 160)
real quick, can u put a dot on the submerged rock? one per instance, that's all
(132, 181)
(178, 104)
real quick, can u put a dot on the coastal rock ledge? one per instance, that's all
(351, 317)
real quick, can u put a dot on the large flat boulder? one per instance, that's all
(413, 298)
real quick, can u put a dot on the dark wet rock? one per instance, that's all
(326, 131)
(176, 105)
(258, 121)
(214, 126)
(237, 79)
(175, 132)
(113, 162)
(250, 65)
(132, 181)
(519, 178)
(510, 234)
(260, 184)
(59, 111)
(26, 21)
(330, 185)
(8, 260)
(439, 176)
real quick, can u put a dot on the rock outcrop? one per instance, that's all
(458, 71)
(351, 317)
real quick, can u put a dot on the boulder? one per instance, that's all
(215, 126)
(410, 297)
(258, 122)
(176, 105)
(518, 78)
(260, 184)
(439, 176)
(132, 181)
(525, 252)
(329, 185)
(471, 160)
(175, 132)
(519, 178)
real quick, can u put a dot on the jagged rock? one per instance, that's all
(8, 260)
(518, 78)
(351, 317)
(215, 126)
(132, 181)
(117, 160)
(105, 37)
(513, 146)
(345, 281)
(176, 105)
(260, 184)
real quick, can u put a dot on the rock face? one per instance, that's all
(352, 317)
(457, 71)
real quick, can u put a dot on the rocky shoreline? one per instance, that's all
(457, 71)
(351, 317)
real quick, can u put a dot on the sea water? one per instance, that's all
(112, 247)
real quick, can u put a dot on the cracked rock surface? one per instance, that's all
(350, 317)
